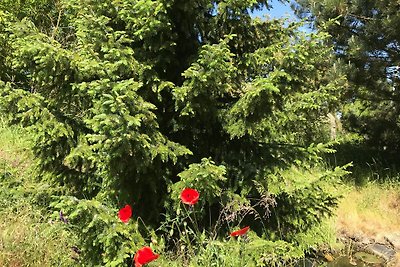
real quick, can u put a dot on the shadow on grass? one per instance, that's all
(369, 163)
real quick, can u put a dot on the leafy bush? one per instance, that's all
(103, 239)
(253, 252)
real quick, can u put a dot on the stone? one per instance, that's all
(394, 240)
(382, 251)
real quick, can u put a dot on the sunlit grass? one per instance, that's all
(27, 236)
(29, 239)
(369, 211)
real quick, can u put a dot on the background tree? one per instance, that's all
(130, 101)
(367, 40)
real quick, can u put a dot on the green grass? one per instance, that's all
(29, 239)
(28, 236)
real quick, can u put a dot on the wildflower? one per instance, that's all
(189, 196)
(125, 213)
(242, 231)
(144, 256)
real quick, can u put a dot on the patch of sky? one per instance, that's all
(279, 10)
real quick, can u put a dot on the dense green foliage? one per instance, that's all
(367, 39)
(129, 101)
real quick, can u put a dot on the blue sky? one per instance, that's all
(278, 10)
(281, 10)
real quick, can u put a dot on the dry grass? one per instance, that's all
(369, 211)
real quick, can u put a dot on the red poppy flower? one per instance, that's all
(125, 213)
(190, 196)
(240, 232)
(144, 255)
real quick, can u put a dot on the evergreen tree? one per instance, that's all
(366, 38)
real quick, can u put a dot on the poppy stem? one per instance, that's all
(193, 220)
(187, 237)
(240, 252)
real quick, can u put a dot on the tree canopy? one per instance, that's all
(366, 37)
